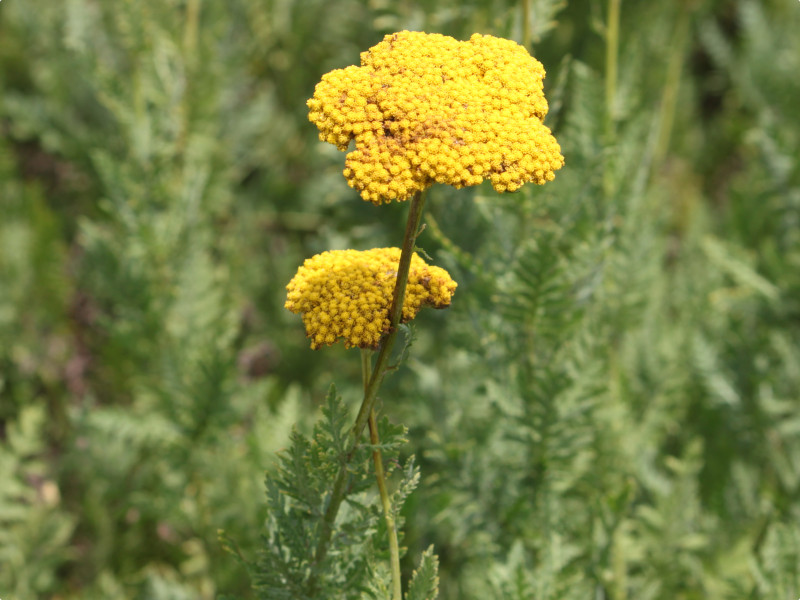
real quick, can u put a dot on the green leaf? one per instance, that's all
(424, 583)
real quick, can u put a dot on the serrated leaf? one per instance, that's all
(424, 583)
(335, 424)
(407, 485)
(733, 262)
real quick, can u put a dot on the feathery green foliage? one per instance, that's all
(608, 410)
(297, 498)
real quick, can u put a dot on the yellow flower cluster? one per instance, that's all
(348, 293)
(425, 108)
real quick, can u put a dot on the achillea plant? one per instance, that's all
(425, 108)
(347, 294)
(422, 109)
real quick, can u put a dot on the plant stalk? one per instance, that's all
(395, 314)
(671, 84)
(526, 24)
(372, 385)
(380, 477)
(612, 55)
(190, 31)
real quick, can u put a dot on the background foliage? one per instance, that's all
(609, 408)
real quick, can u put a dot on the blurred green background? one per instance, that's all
(609, 409)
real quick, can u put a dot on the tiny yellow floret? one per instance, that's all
(346, 294)
(425, 108)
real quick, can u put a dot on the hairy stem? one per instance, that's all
(372, 385)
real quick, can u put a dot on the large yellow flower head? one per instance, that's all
(425, 108)
(348, 293)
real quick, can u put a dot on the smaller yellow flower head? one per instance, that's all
(348, 293)
(425, 108)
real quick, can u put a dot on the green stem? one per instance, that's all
(190, 31)
(612, 53)
(190, 59)
(670, 93)
(526, 24)
(391, 526)
(366, 367)
(395, 314)
(379, 370)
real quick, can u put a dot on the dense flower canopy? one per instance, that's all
(425, 108)
(348, 293)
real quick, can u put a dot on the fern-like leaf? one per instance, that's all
(425, 580)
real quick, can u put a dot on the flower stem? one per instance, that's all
(612, 52)
(190, 31)
(669, 96)
(366, 367)
(526, 25)
(391, 527)
(372, 384)
(396, 312)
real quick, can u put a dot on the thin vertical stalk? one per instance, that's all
(366, 367)
(190, 61)
(669, 95)
(395, 314)
(379, 370)
(526, 24)
(391, 527)
(380, 477)
(612, 54)
(190, 30)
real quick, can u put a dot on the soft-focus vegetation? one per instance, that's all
(609, 409)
